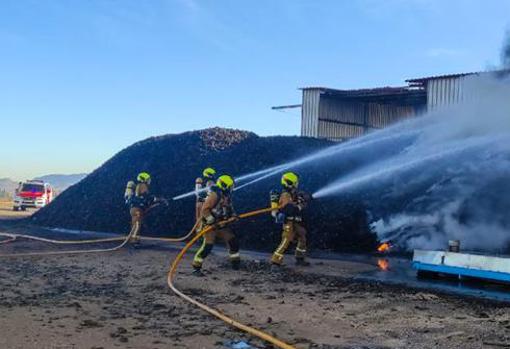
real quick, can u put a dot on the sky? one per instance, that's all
(81, 80)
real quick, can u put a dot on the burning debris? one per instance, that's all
(384, 247)
(383, 264)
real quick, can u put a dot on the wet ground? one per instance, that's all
(121, 300)
(397, 270)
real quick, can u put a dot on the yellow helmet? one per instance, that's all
(290, 180)
(209, 172)
(225, 182)
(143, 177)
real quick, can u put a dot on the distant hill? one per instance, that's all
(7, 187)
(61, 182)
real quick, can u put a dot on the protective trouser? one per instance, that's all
(291, 231)
(208, 242)
(136, 217)
(198, 210)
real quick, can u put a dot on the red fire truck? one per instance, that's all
(32, 193)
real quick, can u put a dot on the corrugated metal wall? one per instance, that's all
(445, 91)
(339, 132)
(343, 119)
(382, 115)
(310, 113)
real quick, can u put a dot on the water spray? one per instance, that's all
(343, 185)
(335, 150)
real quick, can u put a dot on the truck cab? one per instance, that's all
(32, 194)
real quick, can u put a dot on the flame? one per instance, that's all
(384, 247)
(383, 264)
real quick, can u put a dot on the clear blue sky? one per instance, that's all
(80, 80)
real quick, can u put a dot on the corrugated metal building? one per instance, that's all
(442, 90)
(344, 114)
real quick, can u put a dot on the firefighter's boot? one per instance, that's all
(302, 262)
(233, 253)
(197, 272)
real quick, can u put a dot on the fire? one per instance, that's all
(383, 264)
(384, 247)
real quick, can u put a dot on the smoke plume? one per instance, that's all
(505, 52)
(451, 182)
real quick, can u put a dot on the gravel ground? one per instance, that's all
(121, 300)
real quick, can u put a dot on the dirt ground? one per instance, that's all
(6, 211)
(121, 300)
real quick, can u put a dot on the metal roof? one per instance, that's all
(453, 76)
(413, 85)
(362, 92)
(435, 77)
(402, 94)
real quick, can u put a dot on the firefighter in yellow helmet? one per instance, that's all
(218, 207)
(140, 200)
(290, 214)
(202, 185)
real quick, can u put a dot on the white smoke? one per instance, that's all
(449, 183)
(505, 52)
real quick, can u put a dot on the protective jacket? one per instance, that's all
(217, 207)
(292, 205)
(142, 197)
(218, 204)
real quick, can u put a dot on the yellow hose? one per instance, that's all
(134, 229)
(13, 237)
(173, 269)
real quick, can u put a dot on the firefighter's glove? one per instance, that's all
(209, 220)
(304, 197)
(280, 218)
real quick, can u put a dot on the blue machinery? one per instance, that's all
(463, 265)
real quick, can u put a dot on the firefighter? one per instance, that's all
(202, 186)
(291, 204)
(140, 200)
(218, 207)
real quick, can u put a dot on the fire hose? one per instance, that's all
(171, 274)
(10, 238)
(134, 229)
(245, 328)
(61, 242)
(125, 240)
